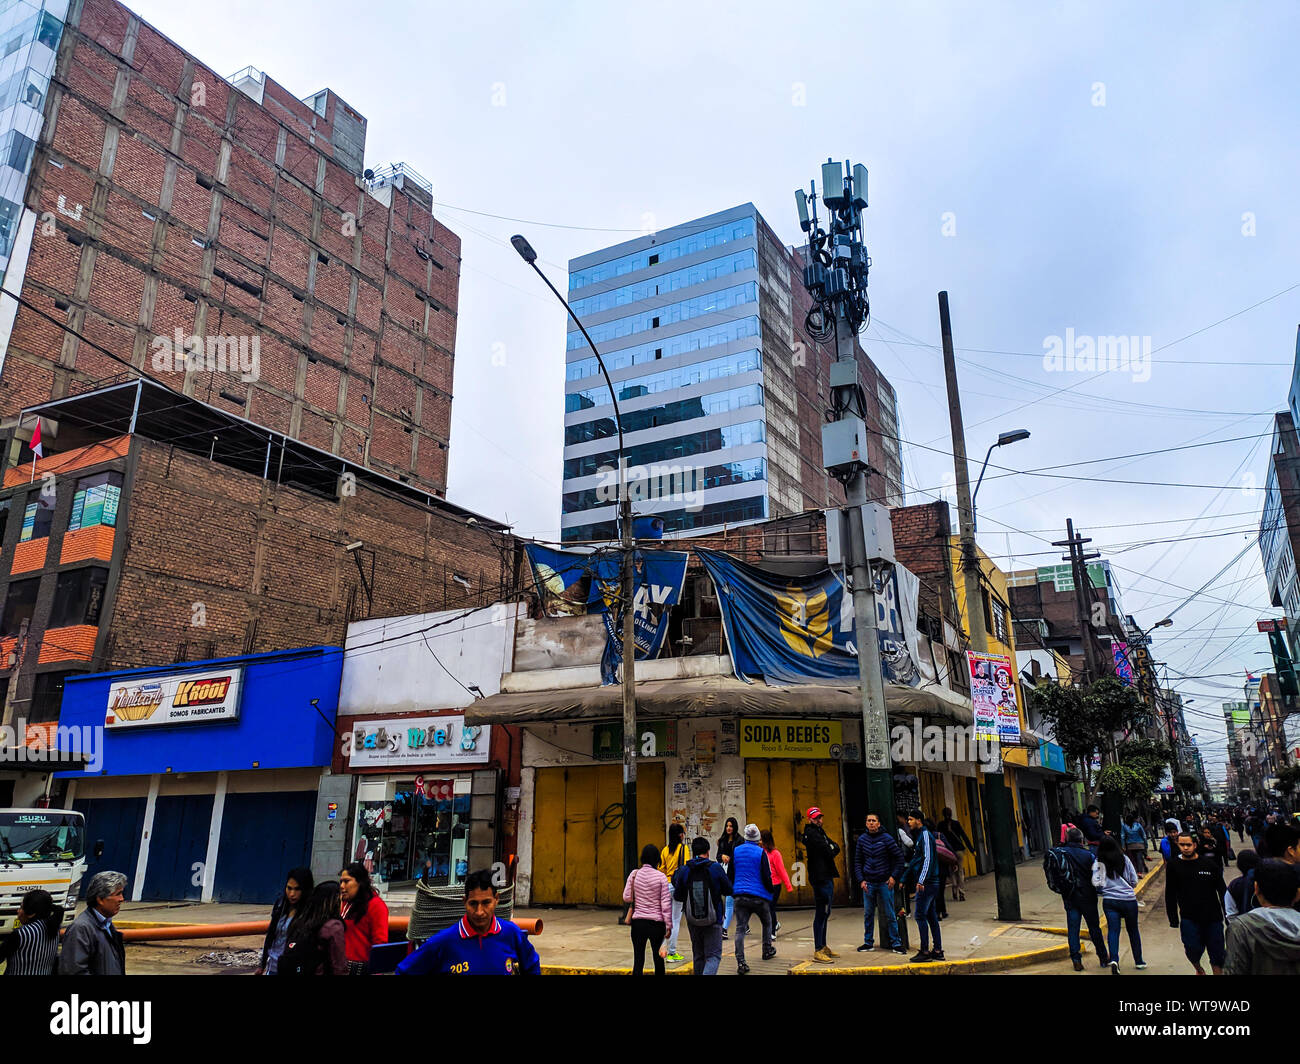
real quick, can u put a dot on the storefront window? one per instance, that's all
(419, 830)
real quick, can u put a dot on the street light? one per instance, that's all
(628, 563)
(1014, 436)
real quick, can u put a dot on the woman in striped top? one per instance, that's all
(34, 948)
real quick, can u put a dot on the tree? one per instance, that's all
(1085, 721)
(1288, 779)
(1137, 773)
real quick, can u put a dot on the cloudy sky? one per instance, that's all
(1107, 168)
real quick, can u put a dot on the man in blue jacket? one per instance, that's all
(701, 886)
(751, 878)
(1081, 905)
(480, 944)
(878, 866)
(923, 870)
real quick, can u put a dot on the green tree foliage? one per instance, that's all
(1288, 779)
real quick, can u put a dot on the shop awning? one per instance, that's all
(714, 696)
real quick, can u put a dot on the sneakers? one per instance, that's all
(674, 957)
(1114, 967)
(777, 927)
(921, 957)
(1078, 965)
(865, 946)
(1140, 964)
(769, 954)
(824, 956)
(742, 968)
(937, 955)
(899, 950)
(724, 933)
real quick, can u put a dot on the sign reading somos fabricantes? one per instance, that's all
(181, 698)
(417, 741)
(820, 740)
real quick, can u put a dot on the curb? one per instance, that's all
(686, 968)
(1148, 879)
(973, 966)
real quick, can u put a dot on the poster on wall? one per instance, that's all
(993, 697)
(1123, 669)
(706, 747)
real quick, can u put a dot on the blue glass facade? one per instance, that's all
(715, 439)
(711, 303)
(672, 249)
(666, 380)
(663, 283)
(713, 336)
(714, 476)
(732, 512)
(667, 414)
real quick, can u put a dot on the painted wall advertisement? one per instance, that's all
(181, 698)
(993, 696)
(417, 740)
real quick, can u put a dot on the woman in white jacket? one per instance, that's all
(1114, 877)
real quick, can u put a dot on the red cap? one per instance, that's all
(814, 813)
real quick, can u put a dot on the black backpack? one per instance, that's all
(1062, 873)
(302, 958)
(700, 909)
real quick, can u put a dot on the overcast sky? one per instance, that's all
(1109, 168)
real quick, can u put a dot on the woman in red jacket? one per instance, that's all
(365, 917)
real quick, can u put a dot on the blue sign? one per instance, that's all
(570, 584)
(1052, 756)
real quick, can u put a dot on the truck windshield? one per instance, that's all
(31, 836)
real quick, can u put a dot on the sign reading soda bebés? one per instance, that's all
(180, 698)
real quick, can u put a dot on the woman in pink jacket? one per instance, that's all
(780, 877)
(651, 899)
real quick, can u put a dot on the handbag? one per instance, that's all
(945, 855)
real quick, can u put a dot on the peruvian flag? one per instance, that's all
(36, 440)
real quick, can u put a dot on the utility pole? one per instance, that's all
(627, 584)
(836, 279)
(1079, 571)
(997, 799)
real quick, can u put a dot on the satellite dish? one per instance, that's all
(369, 175)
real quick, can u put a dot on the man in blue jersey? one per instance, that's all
(480, 944)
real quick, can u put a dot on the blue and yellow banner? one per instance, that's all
(571, 583)
(800, 629)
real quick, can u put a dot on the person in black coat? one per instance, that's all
(822, 875)
(92, 945)
(298, 886)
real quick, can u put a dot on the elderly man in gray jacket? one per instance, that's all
(92, 945)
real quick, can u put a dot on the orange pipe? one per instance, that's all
(259, 927)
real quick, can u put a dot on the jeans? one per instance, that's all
(822, 894)
(771, 906)
(927, 917)
(652, 932)
(1087, 913)
(1137, 854)
(1199, 938)
(884, 894)
(748, 905)
(706, 948)
(940, 904)
(1125, 912)
(678, 907)
(730, 910)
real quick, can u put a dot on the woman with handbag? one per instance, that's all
(947, 859)
(649, 911)
(315, 942)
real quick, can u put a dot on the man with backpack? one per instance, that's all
(751, 880)
(700, 887)
(1069, 873)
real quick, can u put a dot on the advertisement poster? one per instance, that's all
(802, 739)
(993, 697)
(418, 740)
(181, 698)
(706, 747)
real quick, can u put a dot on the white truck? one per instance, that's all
(40, 848)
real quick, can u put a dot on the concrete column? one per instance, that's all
(142, 862)
(214, 836)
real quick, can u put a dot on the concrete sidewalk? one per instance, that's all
(579, 941)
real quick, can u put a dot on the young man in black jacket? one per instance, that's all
(1194, 891)
(822, 875)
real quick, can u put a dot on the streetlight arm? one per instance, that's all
(618, 420)
(983, 468)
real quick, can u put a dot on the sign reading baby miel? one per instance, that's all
(807, 740)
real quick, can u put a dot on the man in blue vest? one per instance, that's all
(751, 877)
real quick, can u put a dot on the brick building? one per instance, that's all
(166, 202)
(1045, 607)
(170, 531)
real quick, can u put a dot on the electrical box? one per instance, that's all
(877, 528)
(844, 373)
(844, 446)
